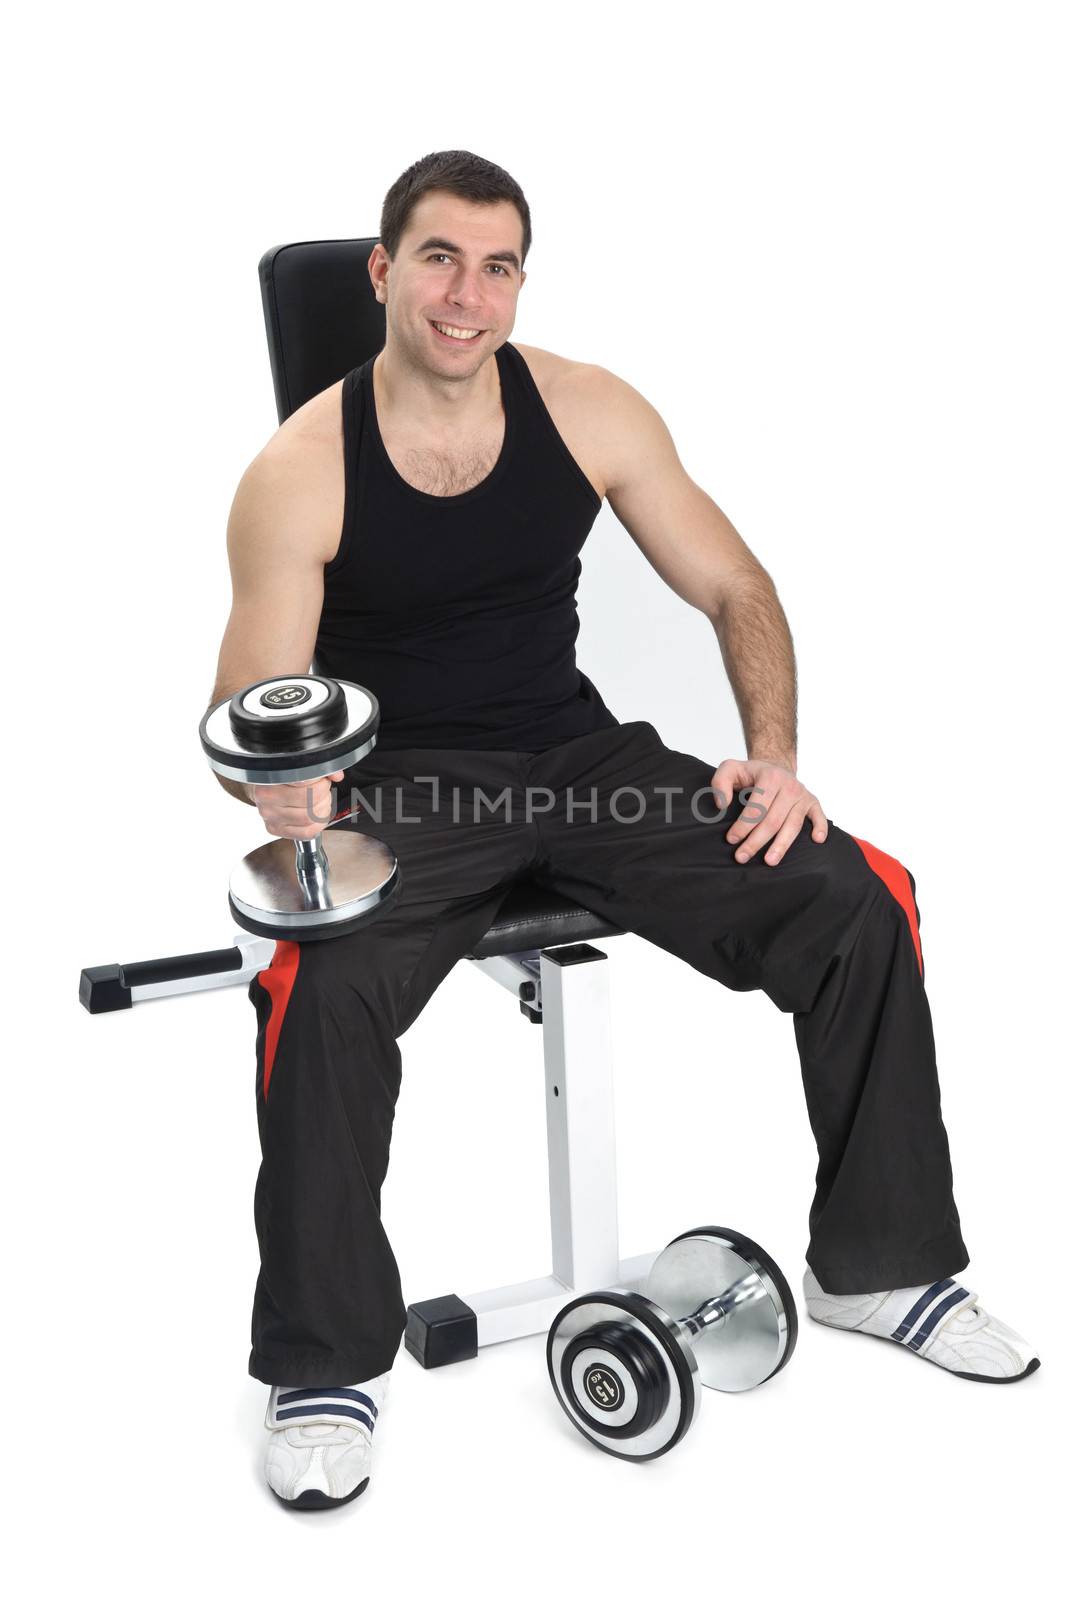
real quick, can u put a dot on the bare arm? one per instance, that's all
(695, 549)
(278, 540)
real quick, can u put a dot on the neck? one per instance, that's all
(434, 402)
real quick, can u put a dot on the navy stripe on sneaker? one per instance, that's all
(909, 1321)
(287, 1397)
(289, 1413)
(935, 1317)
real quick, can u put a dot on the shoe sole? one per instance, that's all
(315, 1500)
(973, 1377)
(980, 1377)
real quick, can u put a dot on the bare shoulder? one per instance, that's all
(614, 431)
(560, 379)
(547, 366)
(315, 429)
(301, 466)
(572, 393)
(619, 404)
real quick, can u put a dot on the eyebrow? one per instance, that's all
(456, 250)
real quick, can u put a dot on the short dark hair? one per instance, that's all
(461, 173)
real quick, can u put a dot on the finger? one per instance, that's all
(295, 807)
(723, 784)
(786, 835)
(766, 830)
(300, 804)
(294, 792)
(754, 812)
(820, 822)
(321, 804)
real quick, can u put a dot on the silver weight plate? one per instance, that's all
(636, 1313)
(266, 888)
(744, 1347)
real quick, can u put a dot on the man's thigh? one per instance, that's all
(457, 858)
(454, 818)
(635, 833)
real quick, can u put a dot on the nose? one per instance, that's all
(465, 289)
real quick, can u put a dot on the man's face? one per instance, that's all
(457, 264)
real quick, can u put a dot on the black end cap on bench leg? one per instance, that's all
(441, 1331)
(103, 989)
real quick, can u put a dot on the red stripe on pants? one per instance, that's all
(896, 877)
(277, 980)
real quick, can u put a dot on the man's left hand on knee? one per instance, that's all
(776, 804)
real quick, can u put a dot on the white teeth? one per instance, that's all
(457, 333)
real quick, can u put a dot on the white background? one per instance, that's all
(825, 242)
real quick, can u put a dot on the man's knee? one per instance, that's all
(875, 874)
(348, 983)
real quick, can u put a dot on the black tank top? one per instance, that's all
(459, 612)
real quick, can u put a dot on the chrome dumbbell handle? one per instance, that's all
(312, 870)
(714, 1311)
(312, 865)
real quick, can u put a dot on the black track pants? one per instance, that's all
(831, 934)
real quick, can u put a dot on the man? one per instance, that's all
(416, 528)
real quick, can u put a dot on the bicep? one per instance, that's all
(276, 569)
(682, 532)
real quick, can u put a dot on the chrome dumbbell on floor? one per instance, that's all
(627, 1368)
(294, 730)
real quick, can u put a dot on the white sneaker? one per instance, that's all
(941, 1321)
(319, 1441)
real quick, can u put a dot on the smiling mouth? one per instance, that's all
(464, 336)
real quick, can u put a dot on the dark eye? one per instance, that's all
(440, 255)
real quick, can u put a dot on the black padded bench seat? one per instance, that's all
(532, 917)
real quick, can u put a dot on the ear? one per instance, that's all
(377, 267)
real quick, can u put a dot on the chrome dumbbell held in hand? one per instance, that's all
(628, 1368)
(295, 730)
